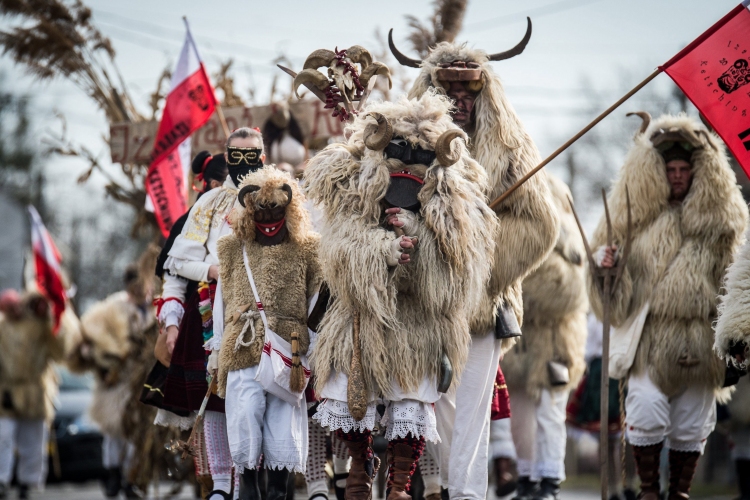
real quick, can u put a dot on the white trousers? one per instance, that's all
(258, 422)
(116, 452)
(685, 420)
(539, 434)
(464, 450)
(501, 439)
(29, 438)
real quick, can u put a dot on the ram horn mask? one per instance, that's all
(443, 152)
(246, 190)
(288, 190)
(501, 56)
(311, 76)
(401, 58)
(645, 116)
(377, 136)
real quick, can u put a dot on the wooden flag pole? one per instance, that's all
(580, 134)
(223, 120)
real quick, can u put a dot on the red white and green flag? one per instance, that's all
(714, 73)
(190, 103)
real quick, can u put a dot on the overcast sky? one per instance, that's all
(573, 41)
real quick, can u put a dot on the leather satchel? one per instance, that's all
(506, 324)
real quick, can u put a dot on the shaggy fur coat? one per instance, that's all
(27, 349)
(734, 308)
(528, 222)
(679, 256)
(117, 345)
(287, 275)
(555, 306)
(409, 314)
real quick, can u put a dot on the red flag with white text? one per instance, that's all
(714, 73)
(47, 260)
(189, 105)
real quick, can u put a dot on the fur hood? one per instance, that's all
(679, 254)
(555, 306)
(404, 325)
(500, 143)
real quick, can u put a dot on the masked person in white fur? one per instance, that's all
(546, 363)
(688, 218)
(194, 256)
(400, 305)
(269, 275)
(527, 233)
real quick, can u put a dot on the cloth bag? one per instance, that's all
(275, 367)
(623, 343)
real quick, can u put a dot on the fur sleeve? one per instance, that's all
(620, 304)
(734, 306)
(314, 272)
(527, 232)
(354, 264)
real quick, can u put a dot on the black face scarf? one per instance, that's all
(242, 161)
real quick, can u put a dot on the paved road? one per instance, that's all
(92, 491)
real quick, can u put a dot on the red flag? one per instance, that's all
(47, 261)
(714, 73)
(190, 103)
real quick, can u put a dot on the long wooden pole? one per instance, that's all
(222, 120)
(580, 134)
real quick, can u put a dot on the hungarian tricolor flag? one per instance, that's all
(714, 73)
(47, 261)
(190, 103)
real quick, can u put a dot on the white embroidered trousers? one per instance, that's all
(29, 439)
(684, 421)
(260, 423)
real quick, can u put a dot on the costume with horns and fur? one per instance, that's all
(527, 232)
(271, 236)
(555, 306)
(678, 257)
(191, 256)
(408, 313)
(27, 386)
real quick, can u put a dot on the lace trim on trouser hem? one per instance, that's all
(643, 440)
(168, 419)
(676, 445)
(410, 417)
(333, 414)
(274, 465)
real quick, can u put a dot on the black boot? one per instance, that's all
(112, 482)
(743, 478)
(277, 484)
(249, 489)
(549, 488)
(23, 491)
(3, 491)
(526, 489)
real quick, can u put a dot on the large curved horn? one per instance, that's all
(405, 61)
(645, 117)
(359, 54)
(312, 76)
(320, 57)
(288, 190)
(445, 155)
(246, 190)
(378, 136)
(500, 56)
(376, 68)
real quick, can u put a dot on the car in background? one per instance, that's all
(75, 444)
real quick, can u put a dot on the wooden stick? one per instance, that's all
(580, 134)
(222, 120)
(604, 403)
